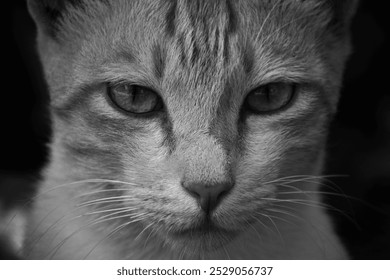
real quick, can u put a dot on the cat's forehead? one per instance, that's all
(202, 20)
(208, 37)
(191, 13)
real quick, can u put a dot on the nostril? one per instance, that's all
(208, 195)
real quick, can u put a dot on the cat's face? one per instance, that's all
(197, 105)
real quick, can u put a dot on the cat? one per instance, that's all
(188, 129)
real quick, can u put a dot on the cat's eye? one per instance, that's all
(134, 99)
(270, 98)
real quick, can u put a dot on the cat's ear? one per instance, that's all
(47, 13)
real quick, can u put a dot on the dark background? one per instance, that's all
(359, 144)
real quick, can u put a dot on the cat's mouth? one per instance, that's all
(202, 234)
(200, 240)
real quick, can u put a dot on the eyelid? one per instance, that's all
(152, 113)
(283, 107)
(118, 75)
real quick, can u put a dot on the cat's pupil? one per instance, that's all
(134, 99)
(269, 98)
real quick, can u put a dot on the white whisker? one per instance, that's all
(95, 222)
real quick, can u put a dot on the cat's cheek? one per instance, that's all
(145, 148)
(262, 149)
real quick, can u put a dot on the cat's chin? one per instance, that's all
(198, 241)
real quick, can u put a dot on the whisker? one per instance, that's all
(276, 217)
(321, 193)
(255, 230)
(37, 239)
(150, 233)
(321, 233)
(74, 183)
(57, 223)
(145, 228)
(299, 178)
(77, 183)
(312, 176)
(105, 201)
(108, 210)
(77, 208)
(98, 221)
(337, 191)
(311, 203)
(274, 224)
(286, 213)
(112, 233)
(86, 181)
(334, 187)
(304, 202)
(100, 191)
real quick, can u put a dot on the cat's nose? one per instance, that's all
(208, 195)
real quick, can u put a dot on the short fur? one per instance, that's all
(113, 186)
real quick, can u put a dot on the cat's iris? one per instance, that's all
(270, 98)
(134, 99)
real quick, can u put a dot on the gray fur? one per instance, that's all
(203, 58)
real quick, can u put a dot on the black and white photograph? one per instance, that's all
(195, 130)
